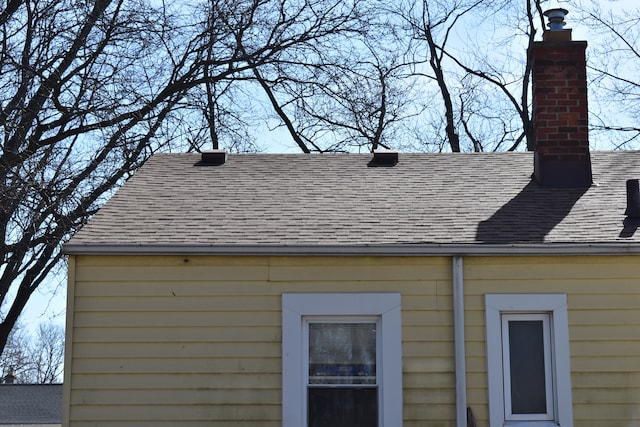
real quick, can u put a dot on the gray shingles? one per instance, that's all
(291, 199)
(30, 404)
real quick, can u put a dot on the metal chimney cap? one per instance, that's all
(10, 378)
(556, 18)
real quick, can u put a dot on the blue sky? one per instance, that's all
(48, 303)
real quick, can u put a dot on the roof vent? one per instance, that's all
(213, 158)
(384, 158)
(633, 199)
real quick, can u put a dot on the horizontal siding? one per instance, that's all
(156, 396)
(180, 414)
(170, 334)
(196, 341)
(120, 319)
(202, 364)
(604, 327)
(111, 380)
(185, 349)
(167, 304)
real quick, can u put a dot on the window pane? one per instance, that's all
(526, 354)
(342, 407)
(342, 353)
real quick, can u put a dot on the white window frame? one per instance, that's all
(309, 320)
(548, 375)
(297, 307)
(498, 306)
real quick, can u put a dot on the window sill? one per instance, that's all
(531, 424)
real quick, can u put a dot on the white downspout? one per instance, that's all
(458, 341)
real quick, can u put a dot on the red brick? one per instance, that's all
(559, 112)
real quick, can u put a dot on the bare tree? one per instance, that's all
(426, 22)
(47, 355)
(489, 73)
(613, 64)
(80, 107)
(482, 82)
(15, 356)
(510, 118)
(35, 359)
(358, 103)
(89, 91)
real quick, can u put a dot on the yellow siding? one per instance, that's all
(604, 328)
(195, 341)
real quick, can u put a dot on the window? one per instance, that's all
(342, 361)
(341, 374)
(528, 360)
(528, 380)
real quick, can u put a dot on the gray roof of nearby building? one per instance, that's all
(302, 203)
(30, 404)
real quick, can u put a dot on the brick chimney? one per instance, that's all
(559, 116)
(10, 378)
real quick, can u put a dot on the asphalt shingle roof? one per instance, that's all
(336, 199)
(30, 404)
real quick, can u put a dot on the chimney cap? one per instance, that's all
(10, 378)
(556, 18)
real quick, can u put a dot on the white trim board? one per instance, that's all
(387, 306)
(556, 306)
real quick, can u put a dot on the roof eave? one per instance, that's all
(453, 249)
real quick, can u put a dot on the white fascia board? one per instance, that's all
(31, 425)
(357, 250)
